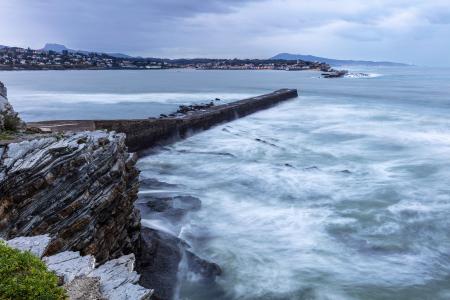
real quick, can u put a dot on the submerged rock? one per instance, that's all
(182, 204)
(159, 260)
(173, 208)
(206, 269)
(154, 184)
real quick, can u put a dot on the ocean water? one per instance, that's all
(342, 193)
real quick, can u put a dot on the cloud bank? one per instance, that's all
(414, 31)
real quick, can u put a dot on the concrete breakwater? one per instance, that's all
(145, 133)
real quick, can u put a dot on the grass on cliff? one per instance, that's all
(6, 135)
(25, 276)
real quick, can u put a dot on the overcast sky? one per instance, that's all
(412, 31)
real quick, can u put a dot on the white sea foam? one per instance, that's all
(107, 98)
(362, 75)
(317, 196)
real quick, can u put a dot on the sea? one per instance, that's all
(341, 193)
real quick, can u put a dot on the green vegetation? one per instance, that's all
(11, 123)
(6, 135)
(24, 276)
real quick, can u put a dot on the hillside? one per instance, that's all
(337, 62)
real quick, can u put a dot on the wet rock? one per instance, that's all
(207, 270)
(313, 168)
(347, 172)
(157, 262)
(159, 259)
(154, 184)
(173, 207)
(266, 142)
(334, 73)
(184, 109)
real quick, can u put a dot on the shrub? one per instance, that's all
(24, 276)
(11, 123)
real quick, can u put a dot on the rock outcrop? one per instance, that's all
(79, 189)
(9, 119)
(164, 258)
(114, 280)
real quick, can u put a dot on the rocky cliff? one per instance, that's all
(78, 188)
(9, 119)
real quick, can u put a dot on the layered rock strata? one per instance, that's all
(78, 188)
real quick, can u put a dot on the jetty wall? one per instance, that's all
(145, 133)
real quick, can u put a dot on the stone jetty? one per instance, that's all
(145, 133)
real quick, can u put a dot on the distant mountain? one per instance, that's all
(56, 47)
(120, 55)
(60, 48)
(337, 62)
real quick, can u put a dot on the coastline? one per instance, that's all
(43, 196)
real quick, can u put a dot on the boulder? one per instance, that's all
(172, 207)
(35, 244)
(84, 288)
(158, 263)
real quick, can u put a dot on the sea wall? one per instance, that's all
(143, 134)
(146, 133)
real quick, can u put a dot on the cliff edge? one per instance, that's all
(9, 119)
(78, 188)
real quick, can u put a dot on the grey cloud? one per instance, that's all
(231, 28)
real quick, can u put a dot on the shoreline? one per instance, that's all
(165, 69)
(79, 185)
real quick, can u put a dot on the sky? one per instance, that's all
(410, 31)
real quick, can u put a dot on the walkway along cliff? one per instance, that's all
(78, 186)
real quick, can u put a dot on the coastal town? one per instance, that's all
(15, 58)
